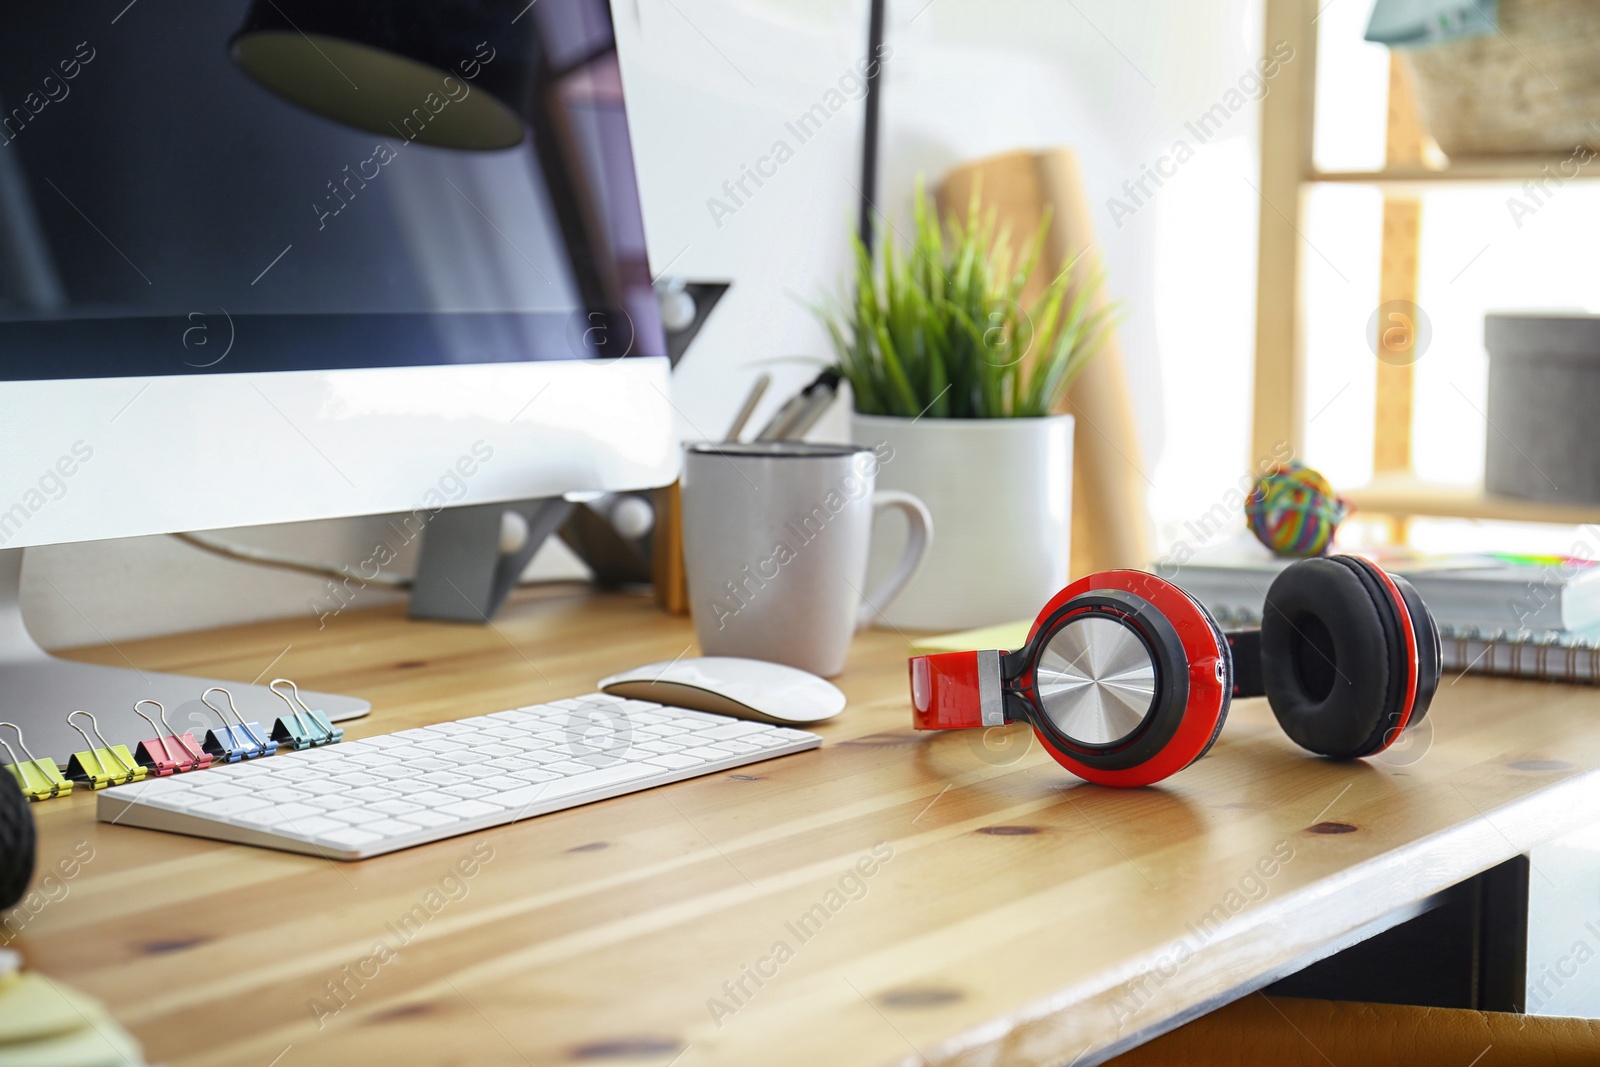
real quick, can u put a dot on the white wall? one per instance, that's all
(711, 85)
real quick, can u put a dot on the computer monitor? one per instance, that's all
(220, 307)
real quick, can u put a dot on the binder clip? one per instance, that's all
(40, 779)
(106, 765)
(168, 753)
(230, 744)
(302, 727)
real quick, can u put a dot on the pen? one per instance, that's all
(757, 391)
(821, 396)
(782, 425)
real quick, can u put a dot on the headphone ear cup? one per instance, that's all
(1334, 662)
(1225, 654)
(1430, 657)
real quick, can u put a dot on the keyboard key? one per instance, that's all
(732, 729)
(286, 813)
(315, 825)
(359, 779)
(426, 817)
(223, 790)
(234, 805)
(676, 762)
(394, 807)
(470, 809)
(356, 816)
(348, 838)
(708, 752)
(568, 767)
(334, 802)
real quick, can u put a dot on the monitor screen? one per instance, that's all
(163, 213)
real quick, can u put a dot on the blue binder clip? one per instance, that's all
(230, 744)
(303, 727)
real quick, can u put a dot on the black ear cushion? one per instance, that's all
(1430, 658)
(1330, 645)
(1399, 662)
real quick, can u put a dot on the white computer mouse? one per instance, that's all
(729, 685)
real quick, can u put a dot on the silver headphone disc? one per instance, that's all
(1096, 680)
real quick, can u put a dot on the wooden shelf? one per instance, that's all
(1407, 496)
(1495, 170)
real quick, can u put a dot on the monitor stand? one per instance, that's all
(37, 690)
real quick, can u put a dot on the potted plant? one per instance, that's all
(960, 379)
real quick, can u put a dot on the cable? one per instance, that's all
(264, 558)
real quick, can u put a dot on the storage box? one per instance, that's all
(1544, 407)
(1532, 88)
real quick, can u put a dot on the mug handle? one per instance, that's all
(919, 534)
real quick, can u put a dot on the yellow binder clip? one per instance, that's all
(40, 779)
(106, 765)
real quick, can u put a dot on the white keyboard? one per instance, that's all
(363, 798)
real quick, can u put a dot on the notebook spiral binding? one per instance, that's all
(1556, 655)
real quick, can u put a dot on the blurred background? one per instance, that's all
(713, 84)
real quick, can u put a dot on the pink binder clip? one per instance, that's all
(169, 753)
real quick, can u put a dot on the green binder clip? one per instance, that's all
(105, 765)
(40, 779)
(303, 727)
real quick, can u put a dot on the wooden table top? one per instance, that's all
(894, 897)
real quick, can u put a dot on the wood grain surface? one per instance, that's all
(891, 898)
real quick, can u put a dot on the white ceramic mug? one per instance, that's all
(775, 539)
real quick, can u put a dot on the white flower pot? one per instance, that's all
(1000, 492)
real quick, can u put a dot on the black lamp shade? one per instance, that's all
(450, 73)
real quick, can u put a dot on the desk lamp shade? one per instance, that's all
(461, 69)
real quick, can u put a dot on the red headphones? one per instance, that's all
(1126, 679)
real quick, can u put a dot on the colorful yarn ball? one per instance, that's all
(1294, 511)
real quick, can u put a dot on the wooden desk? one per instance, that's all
(1021, 918)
